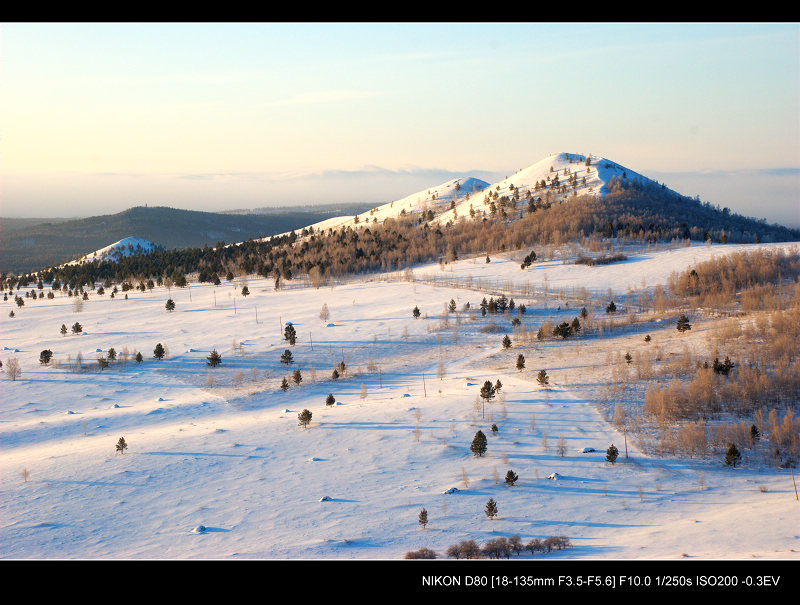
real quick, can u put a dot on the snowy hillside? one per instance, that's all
(554, 178)
(217, 465)
(124, 247)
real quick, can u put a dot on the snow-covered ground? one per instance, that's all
(222, 447)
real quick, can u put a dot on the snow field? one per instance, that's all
(232, 457)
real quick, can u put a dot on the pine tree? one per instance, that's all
(415, 312)
(305, 418)
(297, 377)
(506, 342)
(286, 357)
(683, 324)
(77, 328)
(245, 291)
(479, 444)
(611, 453)
(423, 518)
(170, 305)
(284, 384)
(45, 356)
(732, 456)
(290, 334)
(330, 400)
(542, 378)
(520, 362)
(491, 508)
(452, 306)
(511, 478)
(159, 351)
(488, 391)
(139, 357)
(611, 308)
(63, 330)
(214, 359)
(121, 445)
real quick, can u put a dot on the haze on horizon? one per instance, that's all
(100, 117)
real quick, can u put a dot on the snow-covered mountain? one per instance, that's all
(124, 247)
(554, 178)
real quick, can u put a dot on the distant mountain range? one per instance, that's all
(30, 244)
(609, 199)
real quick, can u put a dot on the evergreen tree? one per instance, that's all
(542, 378)
(330, 400)
(611, 453)
(755, 434)
(63, 330)
(170, 305)
(491, 508)
(423, 518)
(479, 444)
(121, 445)
(511, 478)
(45, 356)
(611, 308)
(305, 418)
(214, 359)
(415, 312)
(683, 324)
(290, 334)
(112, 353)
(287, 357)
(284, 384)
(77, 328)
(297, 377)
(452, 306)
(245, 291)
(488, 391)
(520, 362)
(732, 456)
(159, 351)
(506, 342)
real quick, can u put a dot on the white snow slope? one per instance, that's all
(222, 447)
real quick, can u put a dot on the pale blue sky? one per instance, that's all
(95, 118)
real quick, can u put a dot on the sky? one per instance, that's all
(98, 117)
